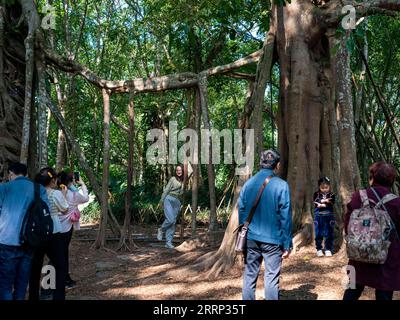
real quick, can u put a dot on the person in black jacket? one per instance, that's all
(324, 219)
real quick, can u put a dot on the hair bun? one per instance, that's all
(324, 180)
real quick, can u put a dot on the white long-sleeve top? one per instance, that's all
(58, 207)
(74, 199)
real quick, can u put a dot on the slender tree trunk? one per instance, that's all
(222, 259)
(126, 234)
(210, 166)
(196, 167)
(257, 99)
(82, 160)
(31, 17)
(101, 236)
(42, 114)
(61, 143)
(349, 178)
(189, 124)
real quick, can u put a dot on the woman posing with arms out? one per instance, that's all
(384, 278)
(171, 199)
(70, 221)
(58, 244)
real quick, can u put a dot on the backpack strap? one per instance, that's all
(364, 198)
(385, 199)
(257, 200)
(36, 187)
(382, 201)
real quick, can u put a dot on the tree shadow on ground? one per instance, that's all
(301, 293)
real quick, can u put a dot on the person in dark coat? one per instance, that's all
(384, 278)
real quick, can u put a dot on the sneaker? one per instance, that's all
(320, 253)
(169, 245)
(328, 253)
(159, 234)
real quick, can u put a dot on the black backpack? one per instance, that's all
(37, 226)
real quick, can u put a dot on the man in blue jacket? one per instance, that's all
(269, 235)
(15, 262)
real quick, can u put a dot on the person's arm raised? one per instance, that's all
(83, 196)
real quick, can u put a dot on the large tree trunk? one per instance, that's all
(306, 113)
(11, 97)
(303, 94)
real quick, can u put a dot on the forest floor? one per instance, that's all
(154, 272)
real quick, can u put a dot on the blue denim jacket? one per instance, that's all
(15, 199)
(272, 220)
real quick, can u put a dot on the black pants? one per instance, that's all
(68, 239)
(56, 251)
(355, 294)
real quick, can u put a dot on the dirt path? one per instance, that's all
(153, 272)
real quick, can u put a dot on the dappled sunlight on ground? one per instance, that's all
(153, 272)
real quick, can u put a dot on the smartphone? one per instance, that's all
(76, 176)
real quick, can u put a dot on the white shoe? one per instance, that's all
(328, 253)
(320, 253)
(169, 245)
(159, 234)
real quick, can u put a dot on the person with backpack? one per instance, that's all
(269, 236)
(372, 227)
(58, 244)
(70, 221)
(16, 196)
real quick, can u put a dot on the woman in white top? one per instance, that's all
(75, 197)
(56, 247)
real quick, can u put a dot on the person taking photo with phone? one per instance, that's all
(76, 195)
